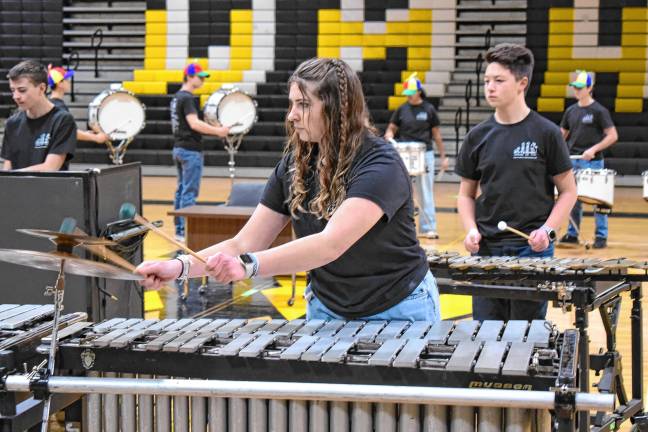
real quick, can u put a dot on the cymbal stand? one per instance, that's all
(58, 290)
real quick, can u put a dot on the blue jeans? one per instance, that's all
(189, 164)
(486, 308)
(424, 185)
(422, 304)
(600, 220)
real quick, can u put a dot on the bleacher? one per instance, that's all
(610, 41)
(28, 29)
(255, 44)
(258, 49)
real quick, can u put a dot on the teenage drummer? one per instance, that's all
(588, 128)
(188, 129)
(58, 80)
(509, 165)
(40, 136)
(417, 120)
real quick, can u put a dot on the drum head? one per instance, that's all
(210, 110)
(237, 109)
(121, 116)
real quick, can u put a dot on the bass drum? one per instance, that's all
(231, 107)
(645, 185)
(117, 113)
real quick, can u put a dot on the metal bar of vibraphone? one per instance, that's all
(314, 392)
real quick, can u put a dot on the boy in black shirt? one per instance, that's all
(187, 151)
(40, 136)
(417, 120)
(58, 80)
(589, 130)
(515, 158)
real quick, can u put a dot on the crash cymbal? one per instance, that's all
(62, 237)
(73, 264)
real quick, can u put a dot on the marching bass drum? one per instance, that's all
(231, 107)
(117, 113)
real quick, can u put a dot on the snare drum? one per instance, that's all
(117, 113)
(645, 185)
(231, 107)
(413, 155)
(596, 186)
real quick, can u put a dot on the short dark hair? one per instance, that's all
(33, 70)
(516, 58)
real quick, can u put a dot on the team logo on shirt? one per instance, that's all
(526, 150)
(422, 116)
(42, 141)
(588, 118)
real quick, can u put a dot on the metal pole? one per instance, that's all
(58, 292)
(314, 391)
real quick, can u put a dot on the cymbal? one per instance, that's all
(73, 264)
(61, 237)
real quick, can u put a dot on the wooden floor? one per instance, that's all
(628, 238)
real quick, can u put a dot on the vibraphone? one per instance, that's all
(517, 355)
(582, 284)
(22, 328)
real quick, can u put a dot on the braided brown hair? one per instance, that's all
(346, 121)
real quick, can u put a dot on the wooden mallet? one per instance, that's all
(127, 211)
(504, 227)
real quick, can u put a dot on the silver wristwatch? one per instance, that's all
(551, 233)
(186, 266)
(250, 264)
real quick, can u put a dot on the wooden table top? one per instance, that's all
(209, 211)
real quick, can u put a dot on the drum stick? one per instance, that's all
(503, 227)
(115, 258)
(441, 172)
(576, 157)
(127, 211)
(140, 220)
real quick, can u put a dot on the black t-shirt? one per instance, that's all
(387, 263)
(184, 103)
(28, 141)
(59, 103)
(415, 122)
(586, 126)
(514, 165)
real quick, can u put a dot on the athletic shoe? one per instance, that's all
(600, 243)
(569, 239)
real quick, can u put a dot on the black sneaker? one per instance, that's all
(600, 243)
(569, 239)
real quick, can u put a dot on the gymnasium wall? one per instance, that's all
(241, 41)
(607, 37)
